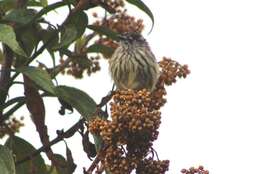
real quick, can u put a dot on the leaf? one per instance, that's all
(7, 36)
(88, 146)
(20, 16)
(39, 76)
(104, 30)
(81, 101)
(1, 57)
(6, 5)
(98, 141)
(144, 8)
(6, 161)
(49, 37)
(34, 3)
(68, 36)
(99, 48)
(70, 161)
(64, 106)
(73, 29)
(49, 8)
(35, 105)
(51, 169)
(44, 3)
(28, 37)
(62, 167)
(22, 148)
(13, 109)
(80, 44)
(12, 101)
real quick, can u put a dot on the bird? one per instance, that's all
(133, 64)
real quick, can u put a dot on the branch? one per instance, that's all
(94, 164)
(57, 69)
(106, 99)
(61, 135)
(5, 75)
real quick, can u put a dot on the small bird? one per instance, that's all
(133, 65)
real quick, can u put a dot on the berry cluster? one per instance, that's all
(120, 22)
(135, 119)
(78, 65)
(134, 125)
(171, 70)
(117, 163)
(10, 126)
(152, 166)
(115, 4)
(193, 170)
(132, 116)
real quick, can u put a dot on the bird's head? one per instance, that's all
(131, 38)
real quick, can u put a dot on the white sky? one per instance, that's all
(212, 117)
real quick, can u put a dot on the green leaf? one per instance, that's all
(6, 5)
(6, 161)
(1, 57)
(12, 101)
(62, 168)
(68, 35)
(73, 29)
(99, 48)
(70, 161)
(49, 8)
(144, 8)
(80, 44)
(78, 99)
(34, 3)
(104, 30)
(22, 148)
(44, 3)
(98, 142)
(28, 38)
(7, 36)
(39, 76)
(13, 109)
(20, 16)
(51, 169)
(50, 36)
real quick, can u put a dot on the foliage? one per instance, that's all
(25, 34)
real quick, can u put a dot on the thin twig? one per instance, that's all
(154, 152)
(94, 164)
(70, 132)
(56, 70)
(106, 99)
